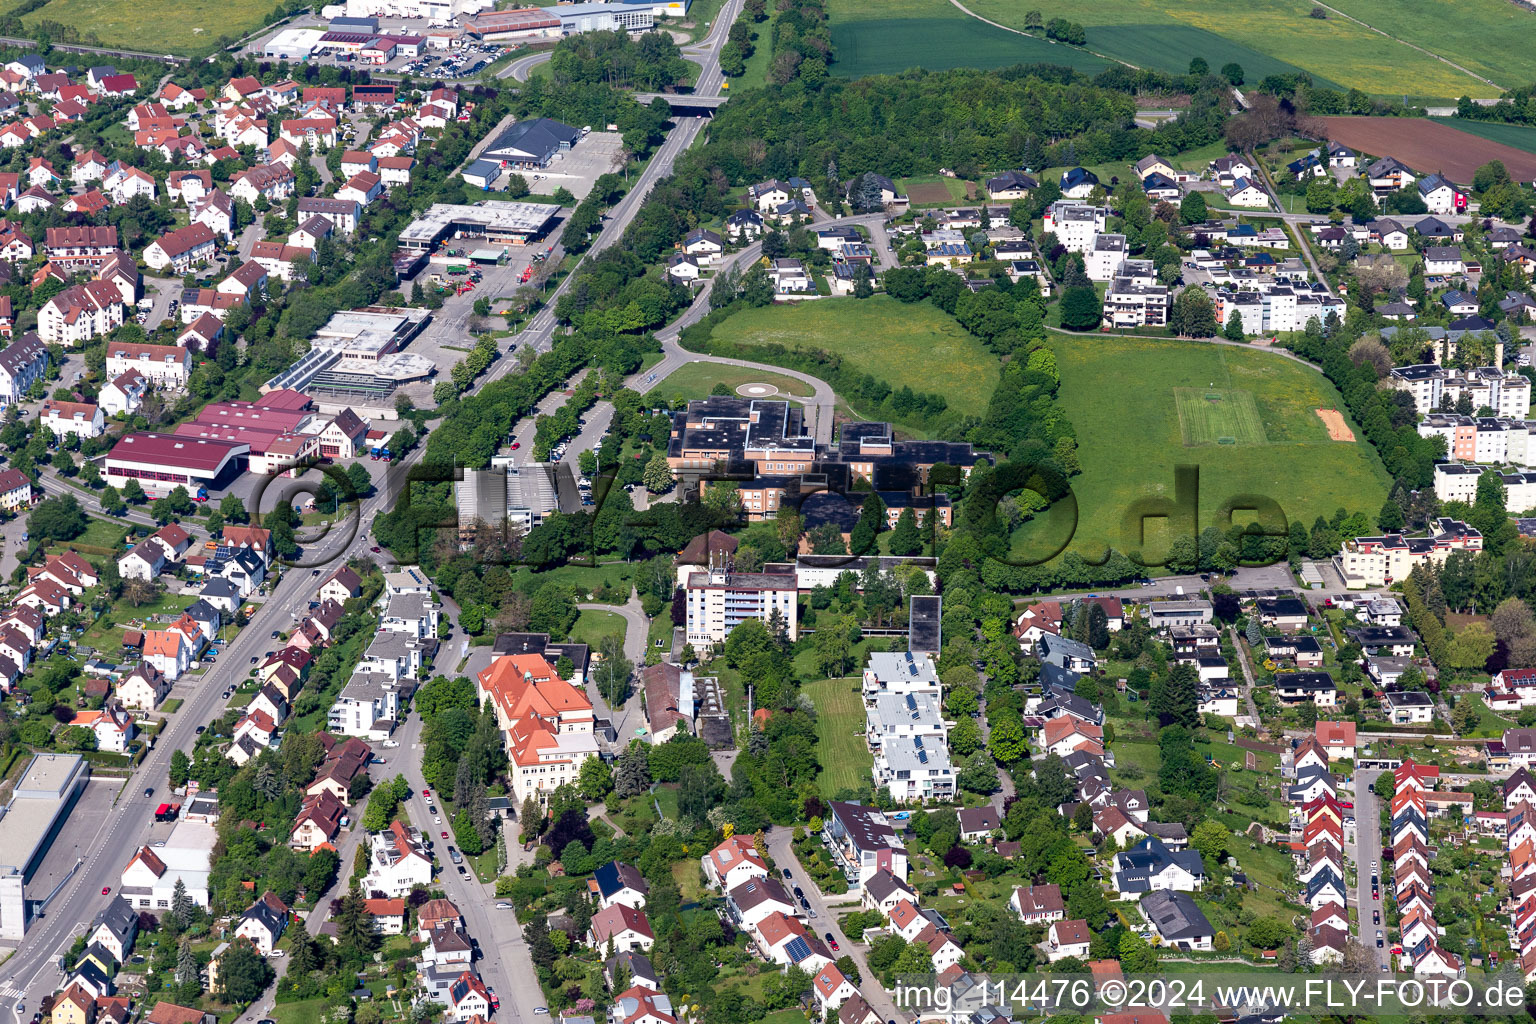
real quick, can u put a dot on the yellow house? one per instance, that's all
(74, 1006)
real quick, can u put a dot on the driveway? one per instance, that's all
(780, 848)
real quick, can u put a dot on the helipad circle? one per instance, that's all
(757, 390)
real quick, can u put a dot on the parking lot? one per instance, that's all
(462, 63)
(78, 834)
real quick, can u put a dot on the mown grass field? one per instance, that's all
(591, 626)
(1218, 416)
(1333, 49)
(1518, 136)
(844, 756)
(916, 345)
(1122, 396)
(894, 35)
(157, 26)
(696, 380)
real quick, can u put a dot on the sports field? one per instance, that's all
(1517, 136)
(157, 26)
(1333, 49)
(914, 344)
(894, 35)
(1218, 416)
(1142, 407)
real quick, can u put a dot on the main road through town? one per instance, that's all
(29, 974)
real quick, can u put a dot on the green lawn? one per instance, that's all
(1272, 34)
(954, 189)
(158, 26)
(106, 634)
(696, 380)
(1519, 136)
(592, 626)
(1121, 394)
(915, 344)
(756, 73)
(844, 756)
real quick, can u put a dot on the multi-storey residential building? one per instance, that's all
(720, 599)
(1508, 395)
(1134, 297)
(1378, 561)
(862, 843)
(1076, 225)
(547, 721)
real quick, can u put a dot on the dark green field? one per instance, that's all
(890, 46)
(1517, 135)
(1171, 47)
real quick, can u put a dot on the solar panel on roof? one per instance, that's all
(911, 702)
(797, 949)
(922, 757)
(917, 741)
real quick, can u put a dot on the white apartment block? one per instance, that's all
(1508, 395)
(718, 600)
(1076, 225)
(1104, 258)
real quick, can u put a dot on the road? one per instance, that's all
(780, 848)
(1367, 852)
(29, 975)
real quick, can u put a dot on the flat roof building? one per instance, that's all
(491, 219)
(39, 807)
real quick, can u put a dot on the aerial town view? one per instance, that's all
(767, 511)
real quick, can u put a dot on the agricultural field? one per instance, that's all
(1429, 146)
(915, 345)
(1141, 407)
(899, 34)
(1332, 50)
(1518, 136)
(1491, 38)
(157, 26)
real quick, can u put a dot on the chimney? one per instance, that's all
(1498, 354)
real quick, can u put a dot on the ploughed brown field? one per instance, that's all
(1428, 146)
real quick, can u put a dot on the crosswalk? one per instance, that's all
(7, 993)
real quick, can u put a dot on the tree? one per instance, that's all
(465, 832)
(1193, 314)
(182, 907)
(1081, 309)
(181, 768)
(658, 474)
(1471, 647)
(1192, 209)
(230, 507)
(186, 964)
(1007, 742)
(1233, 72)
(57, 519)
(243, 974)
(905, 537)
(134, 494)
(1234, 328)
(112, 502)
(1211, 839)
(979, 774)
(595, 779)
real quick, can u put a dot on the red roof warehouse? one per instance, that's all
(162, 462)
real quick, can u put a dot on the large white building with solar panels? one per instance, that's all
(910, 743)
